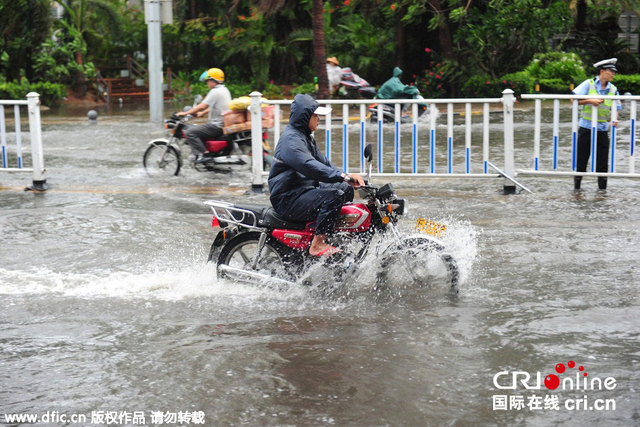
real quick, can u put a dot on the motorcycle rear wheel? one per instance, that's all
(161, 159)
(276, 262)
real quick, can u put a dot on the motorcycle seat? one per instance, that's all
(258, 211)
(272, 219)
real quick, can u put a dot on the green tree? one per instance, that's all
(57, 57)
(504, 37)
(361, 39)
(24, 25)
(94, 21)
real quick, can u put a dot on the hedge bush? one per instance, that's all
(50, 93)
(557, 65)
(627, 83)
(558, 86)
(483, 86)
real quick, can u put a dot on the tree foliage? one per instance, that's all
(24, 25)
(441, 43)
(507, 34)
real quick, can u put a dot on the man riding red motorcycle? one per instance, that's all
(215, 103)
(304, 185)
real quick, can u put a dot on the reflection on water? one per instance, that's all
(108, 303)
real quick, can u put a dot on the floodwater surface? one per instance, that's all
(109, 307)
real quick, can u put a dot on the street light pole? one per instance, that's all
(154, 34)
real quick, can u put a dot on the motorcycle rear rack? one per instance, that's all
(228, 213)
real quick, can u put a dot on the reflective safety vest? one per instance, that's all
(604, 113)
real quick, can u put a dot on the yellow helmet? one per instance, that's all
(216, 74)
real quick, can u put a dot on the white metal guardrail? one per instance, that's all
(12, 155)
(616, 140)
(424, 164)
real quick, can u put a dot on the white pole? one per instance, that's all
(257, 184)
(485, 136)
(276, 125)
(450, 137)
(154, 35)
(345, 137)
(632, 136)
(380, 136)
(398, 119)
(467, 137)
(537, 118)
(363, 135)
(39, 181)
(433, 116)
(594, 138)
(574, 133)
(508, 100)
(556, 131)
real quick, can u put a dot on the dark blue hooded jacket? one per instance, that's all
(299, 165)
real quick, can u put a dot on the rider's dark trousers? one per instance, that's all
(322, 203)
(197, 135)
(584, 152)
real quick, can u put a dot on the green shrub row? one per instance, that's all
(50, 93)
(485, 87)
(627, 83)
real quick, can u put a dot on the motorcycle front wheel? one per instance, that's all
(418, 263)
(161, 159)
(276, 264)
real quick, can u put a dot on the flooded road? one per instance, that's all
(109, 306)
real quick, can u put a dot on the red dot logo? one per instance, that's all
(552, 381)
(571, 364)
(560, 368)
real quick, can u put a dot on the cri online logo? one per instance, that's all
(553, 381)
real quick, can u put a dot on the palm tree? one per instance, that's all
(319, 49)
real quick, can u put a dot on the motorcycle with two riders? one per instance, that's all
(163, 156)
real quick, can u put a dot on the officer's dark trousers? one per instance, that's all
(322, 204)
(584, 152)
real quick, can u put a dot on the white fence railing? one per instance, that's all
(12, 148)
(421, 148)
(616, 140)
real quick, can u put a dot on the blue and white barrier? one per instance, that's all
(422, 142)
(12, 159)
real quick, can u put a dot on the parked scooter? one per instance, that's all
(256, 244)
(163, 156)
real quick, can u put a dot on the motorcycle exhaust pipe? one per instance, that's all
(241, 274)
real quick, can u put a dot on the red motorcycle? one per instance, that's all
(257, 244)
(163, 157)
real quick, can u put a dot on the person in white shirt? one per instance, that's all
(215, 103)
(334, 73)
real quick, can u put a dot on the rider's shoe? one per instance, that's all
(331, 250)
(201, 158)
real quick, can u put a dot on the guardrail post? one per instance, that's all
(257, 184)
(37, 158)
(508, 101)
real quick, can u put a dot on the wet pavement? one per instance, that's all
(108, 304)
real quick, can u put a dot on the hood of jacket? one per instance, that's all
(302, 109)
(397, 72)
